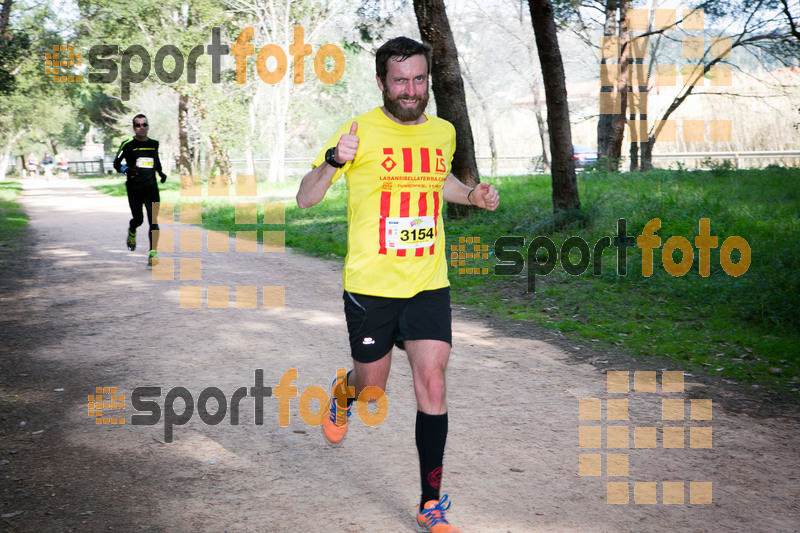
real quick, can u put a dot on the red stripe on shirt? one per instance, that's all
(386, 202)
(426, 160)
(408, 160)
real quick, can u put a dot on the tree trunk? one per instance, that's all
(647, 154)
(4, 17)
(210, 161)
(544, 134)
(4, 162)
(184, 162)
(565, 186)
(541, 120)
(184, 158)
(221, 157)
(89, 137)
(493, 150)
(5, 159)
(488, 117)
(619, 123)
(168, 159)
(634, 157)
(250, 162)
(605, 123)
(196, 155)
(279, 99)
(448, 91)
(218, 155)
(634, 116)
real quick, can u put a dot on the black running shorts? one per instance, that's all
(376, 323)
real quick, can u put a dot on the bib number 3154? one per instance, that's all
(403, 233)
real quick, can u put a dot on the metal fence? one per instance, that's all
(739, 159)
(526, 164)
(88, 167)
(506, 165)
(75, 167)
(517, 165)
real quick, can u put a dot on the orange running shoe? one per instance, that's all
(432, 519)
(335, 425)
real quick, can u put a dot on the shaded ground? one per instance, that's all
(79, 311)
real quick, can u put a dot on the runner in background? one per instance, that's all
(63, 165)
(32, 165)
(47, 165)
(137, 158)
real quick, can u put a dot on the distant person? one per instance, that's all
(63, 165)
(32, 165)
(141, 164)
(47, 165)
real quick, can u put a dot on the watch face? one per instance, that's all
(331, 160)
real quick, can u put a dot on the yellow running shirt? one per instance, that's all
(395, 235)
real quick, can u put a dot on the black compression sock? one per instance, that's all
(348, 383)
(431, 435)
(348, 380)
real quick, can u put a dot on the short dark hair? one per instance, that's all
(401, 47)
(138, 116)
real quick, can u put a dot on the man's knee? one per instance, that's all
(433, 385)
(374, 374)
(370, 379)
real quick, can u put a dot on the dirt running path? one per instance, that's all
(80, 311)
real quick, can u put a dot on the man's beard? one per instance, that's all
(405, 114)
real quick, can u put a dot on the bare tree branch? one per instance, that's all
(792, 24)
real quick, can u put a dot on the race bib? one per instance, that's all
(145, 162)
(403, 233)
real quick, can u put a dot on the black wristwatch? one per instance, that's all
(332, 160)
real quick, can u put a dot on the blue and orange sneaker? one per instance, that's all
(335, 425)
(431, 517)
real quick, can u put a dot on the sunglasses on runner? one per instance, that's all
(142, 125)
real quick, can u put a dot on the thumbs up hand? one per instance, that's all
(347, 146)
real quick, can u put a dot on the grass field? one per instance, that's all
(12, 220)
(745, 328)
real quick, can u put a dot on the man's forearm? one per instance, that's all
(456, 192)
(118, 160)
(314, 185)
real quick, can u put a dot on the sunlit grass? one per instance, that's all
(13, 220)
